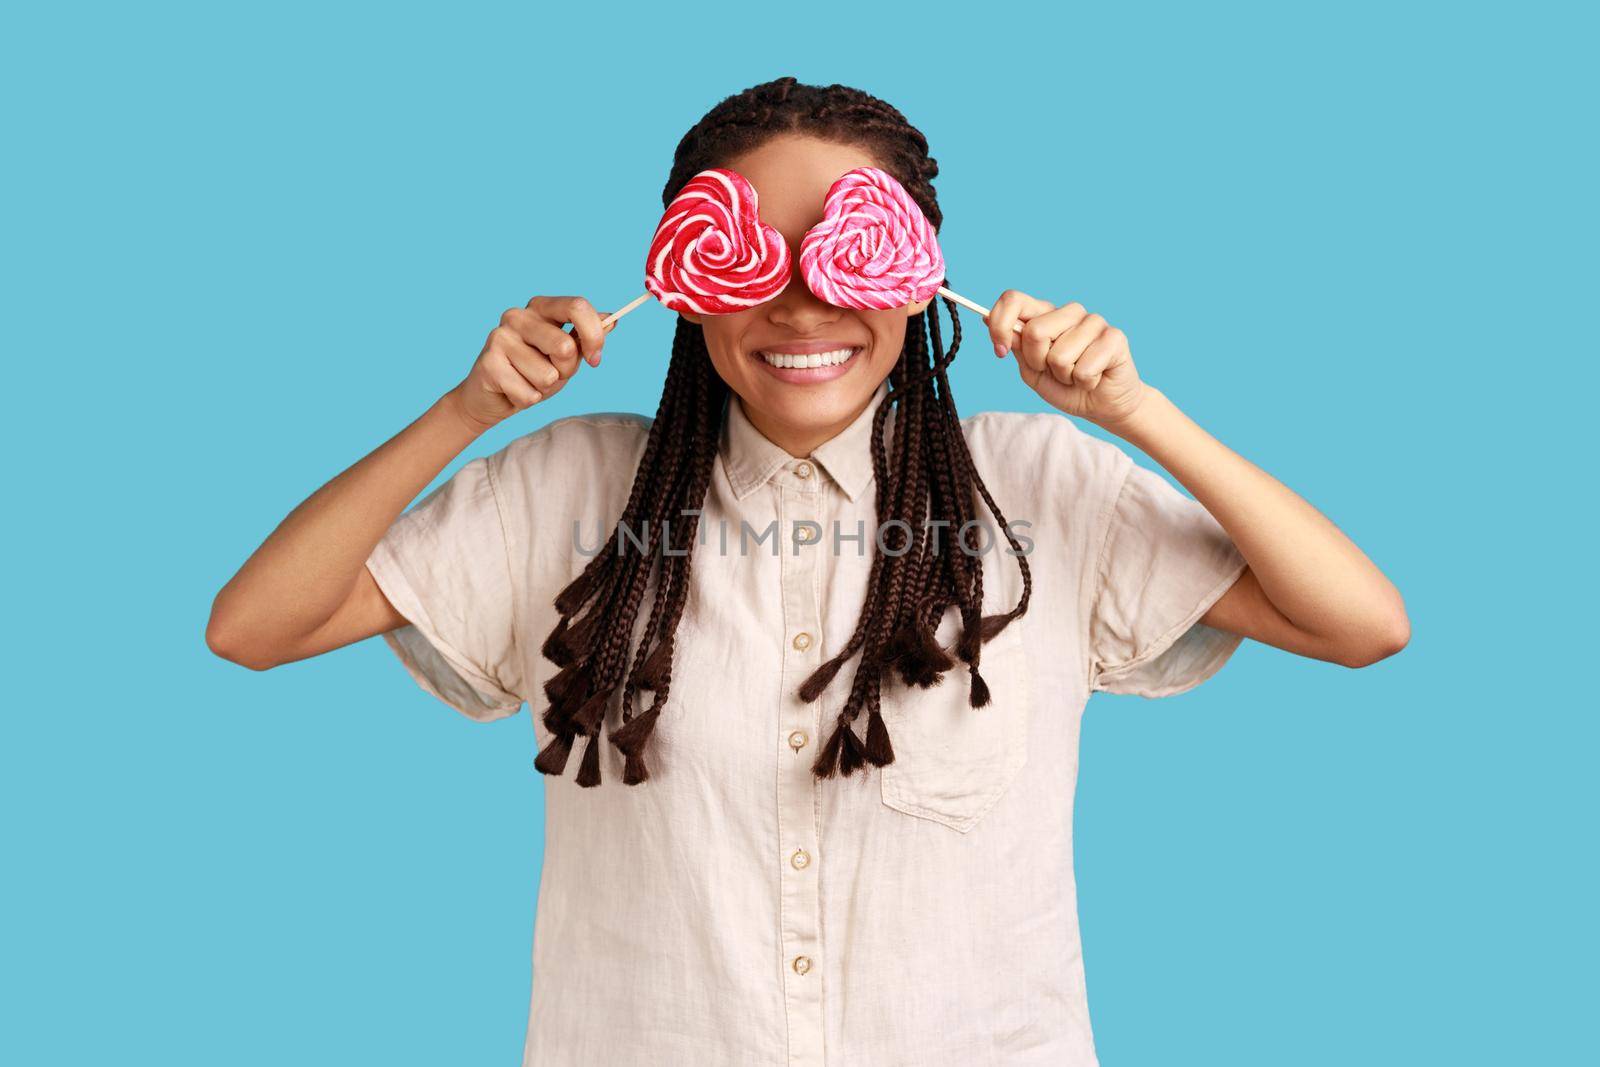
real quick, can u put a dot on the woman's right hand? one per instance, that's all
(529, 357)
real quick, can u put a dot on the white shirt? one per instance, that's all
(734, 909)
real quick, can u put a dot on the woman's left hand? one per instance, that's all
(1076, 360)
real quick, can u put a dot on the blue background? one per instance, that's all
(243, 247)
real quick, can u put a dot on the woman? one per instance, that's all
(826, 644)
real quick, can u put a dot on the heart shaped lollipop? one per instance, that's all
(874, 248)
(712, 254)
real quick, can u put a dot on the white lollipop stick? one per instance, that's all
(1016, 327)
(615, 315)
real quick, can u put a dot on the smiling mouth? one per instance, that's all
(802, 360)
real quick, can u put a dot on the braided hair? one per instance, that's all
(924, 476)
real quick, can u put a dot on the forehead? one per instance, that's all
(791, 175)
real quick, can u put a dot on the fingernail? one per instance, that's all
(999, 349)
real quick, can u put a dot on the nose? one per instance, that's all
(797, 307)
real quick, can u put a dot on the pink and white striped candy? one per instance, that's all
(712, 254)
(874, 248)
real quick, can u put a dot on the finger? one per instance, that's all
(1067, 349)
(559, 310)
(586, 325)
(513, 352)
(1009, 310)
(557, 345)
(1002, 314)
(1011, 307)
(1033, 343)
(538, 369)
(543, 305)
(605, 332)
(1062, 319)
(1097, 357)
(512, 335)
(524, 322)
(1040, 333)
(511, 382)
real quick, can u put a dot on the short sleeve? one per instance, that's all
(1164, 561)
(445, 567)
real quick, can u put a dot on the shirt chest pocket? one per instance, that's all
(953, 761)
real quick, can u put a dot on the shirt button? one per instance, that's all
(805, 535)
(803, 470)
(802, 641)
(797, 740)
(802, 964)
(800, 860)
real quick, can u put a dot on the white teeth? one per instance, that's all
(793, 360)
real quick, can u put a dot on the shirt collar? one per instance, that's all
(751, 460)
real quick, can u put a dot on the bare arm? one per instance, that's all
(307, 590)
(1308, 588)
